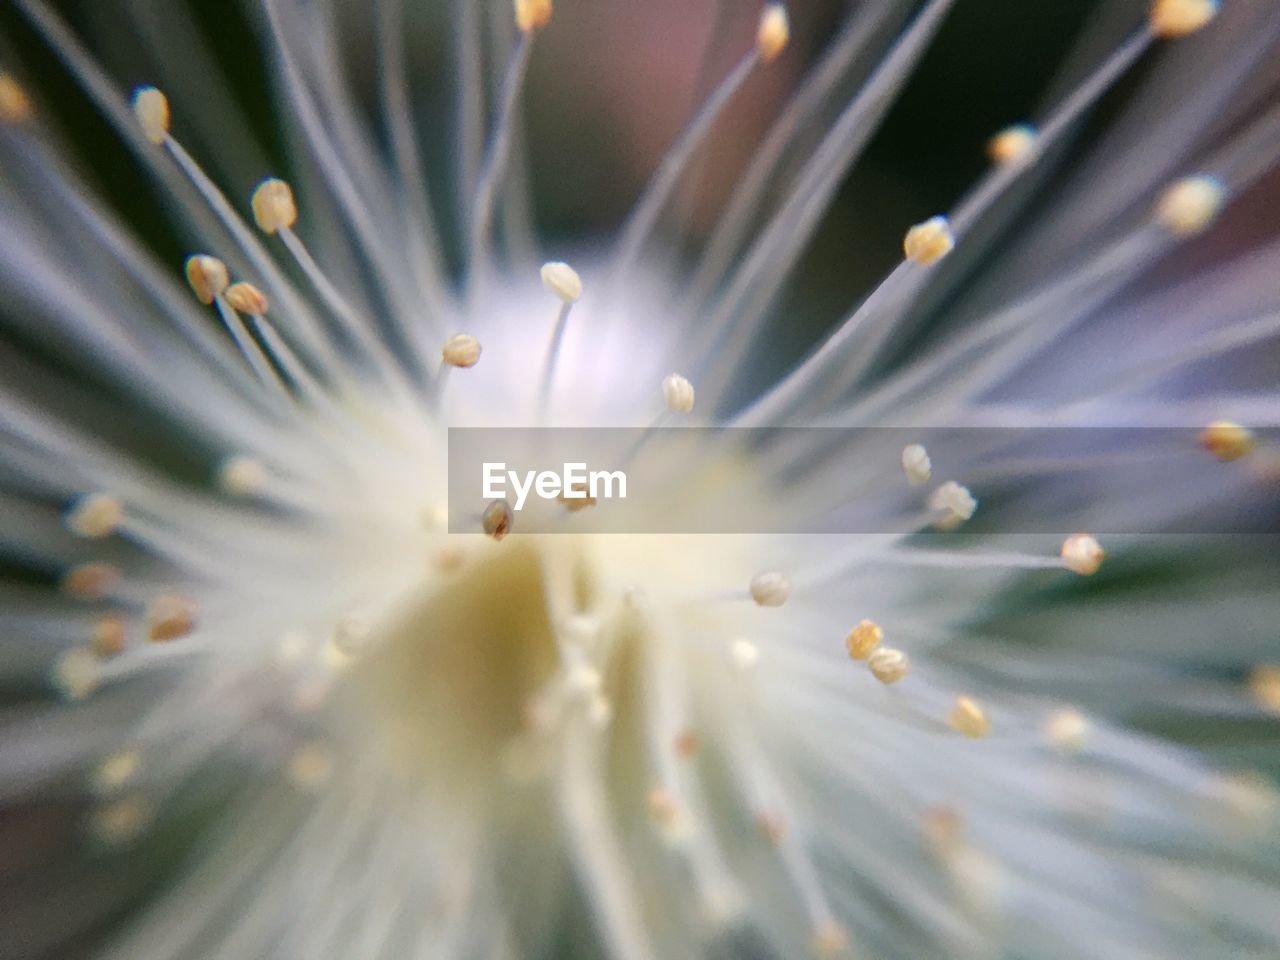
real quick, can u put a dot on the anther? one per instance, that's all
(496, 520)
(1190, 205)
(246, 298)
(311, 765)
(1264, 687)
(562, 280)
(1227, 441)
(678, 393)
(462, 350)
(889, 665)
(110, 636)
(770, 589)
(662, 806)
(90, 581)
(95, 516)
(242, 476)
(151, 107)
(77, 673)
(968, 717)
(116, 771)
(532, 14)
(171, 616)
(686, 744)
(773, 33)
(863, 639)
(830, 939)
(954, 499)
(273, 206)
(208, 277)
(121, 821)
(1082, 554)
(916, 464)
(15, 103)
(929, 242)
(1170, 19)
(1067, 729)
(1013, 144)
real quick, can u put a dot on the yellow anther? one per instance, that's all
(562, 280)
(116, 771)
(1227, 441)
(863, 639)
(171, 616)
(110, 636)
(1264, 687)
(1067, 729)
(208, 277)
(462, 350)
(1082, 554)
(242, 476)
(90, 581)
(151, 107)
(77, 673)
(888, 665)
(916, 464)
(678, 393)
(15, 103)
(1190, 205)
(773, 33)
(929, 242)
(532, 14)
(246, 298)
(1013, 144)
(273, 206)
(496, 520)
(95, 516)
(955, 499)
(968, 717)
(1177, 18)
(770, 589)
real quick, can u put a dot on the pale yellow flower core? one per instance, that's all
(208, 277)
(1082, 554)
(863, 639)
(532, 14)
(1177, 18)
(773, 32)
(461, 350)
(273, 206)
(927, 243)
(1227, 441)
(889, 665)
(246, 298)
(15, 104)
(969, 717)
(151, 107)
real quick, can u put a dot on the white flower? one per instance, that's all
(308, 720)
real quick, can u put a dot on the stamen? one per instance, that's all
(1067, 730)
(678, 393)
(773, 32)
(95, 516)
(461, 350)
(1013, 144)
(15, 103)
(151, 107)
(273, 206)
(744, 653)
(248, 299)
(496, 520)
(889, 665)
(1170, 19)
(916, 464)
(1190, 205)
(770, 589)
(208, 277)
(955, 500)
(969, 717)
(242, 476)
(77, 673)
(563, 281)
(110, 637)
(1082, 554)
(1264, 687)
(90, 581)
(170, 617)
(1227, 441)
(864, 639)
(532, 15)
(927, 243)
